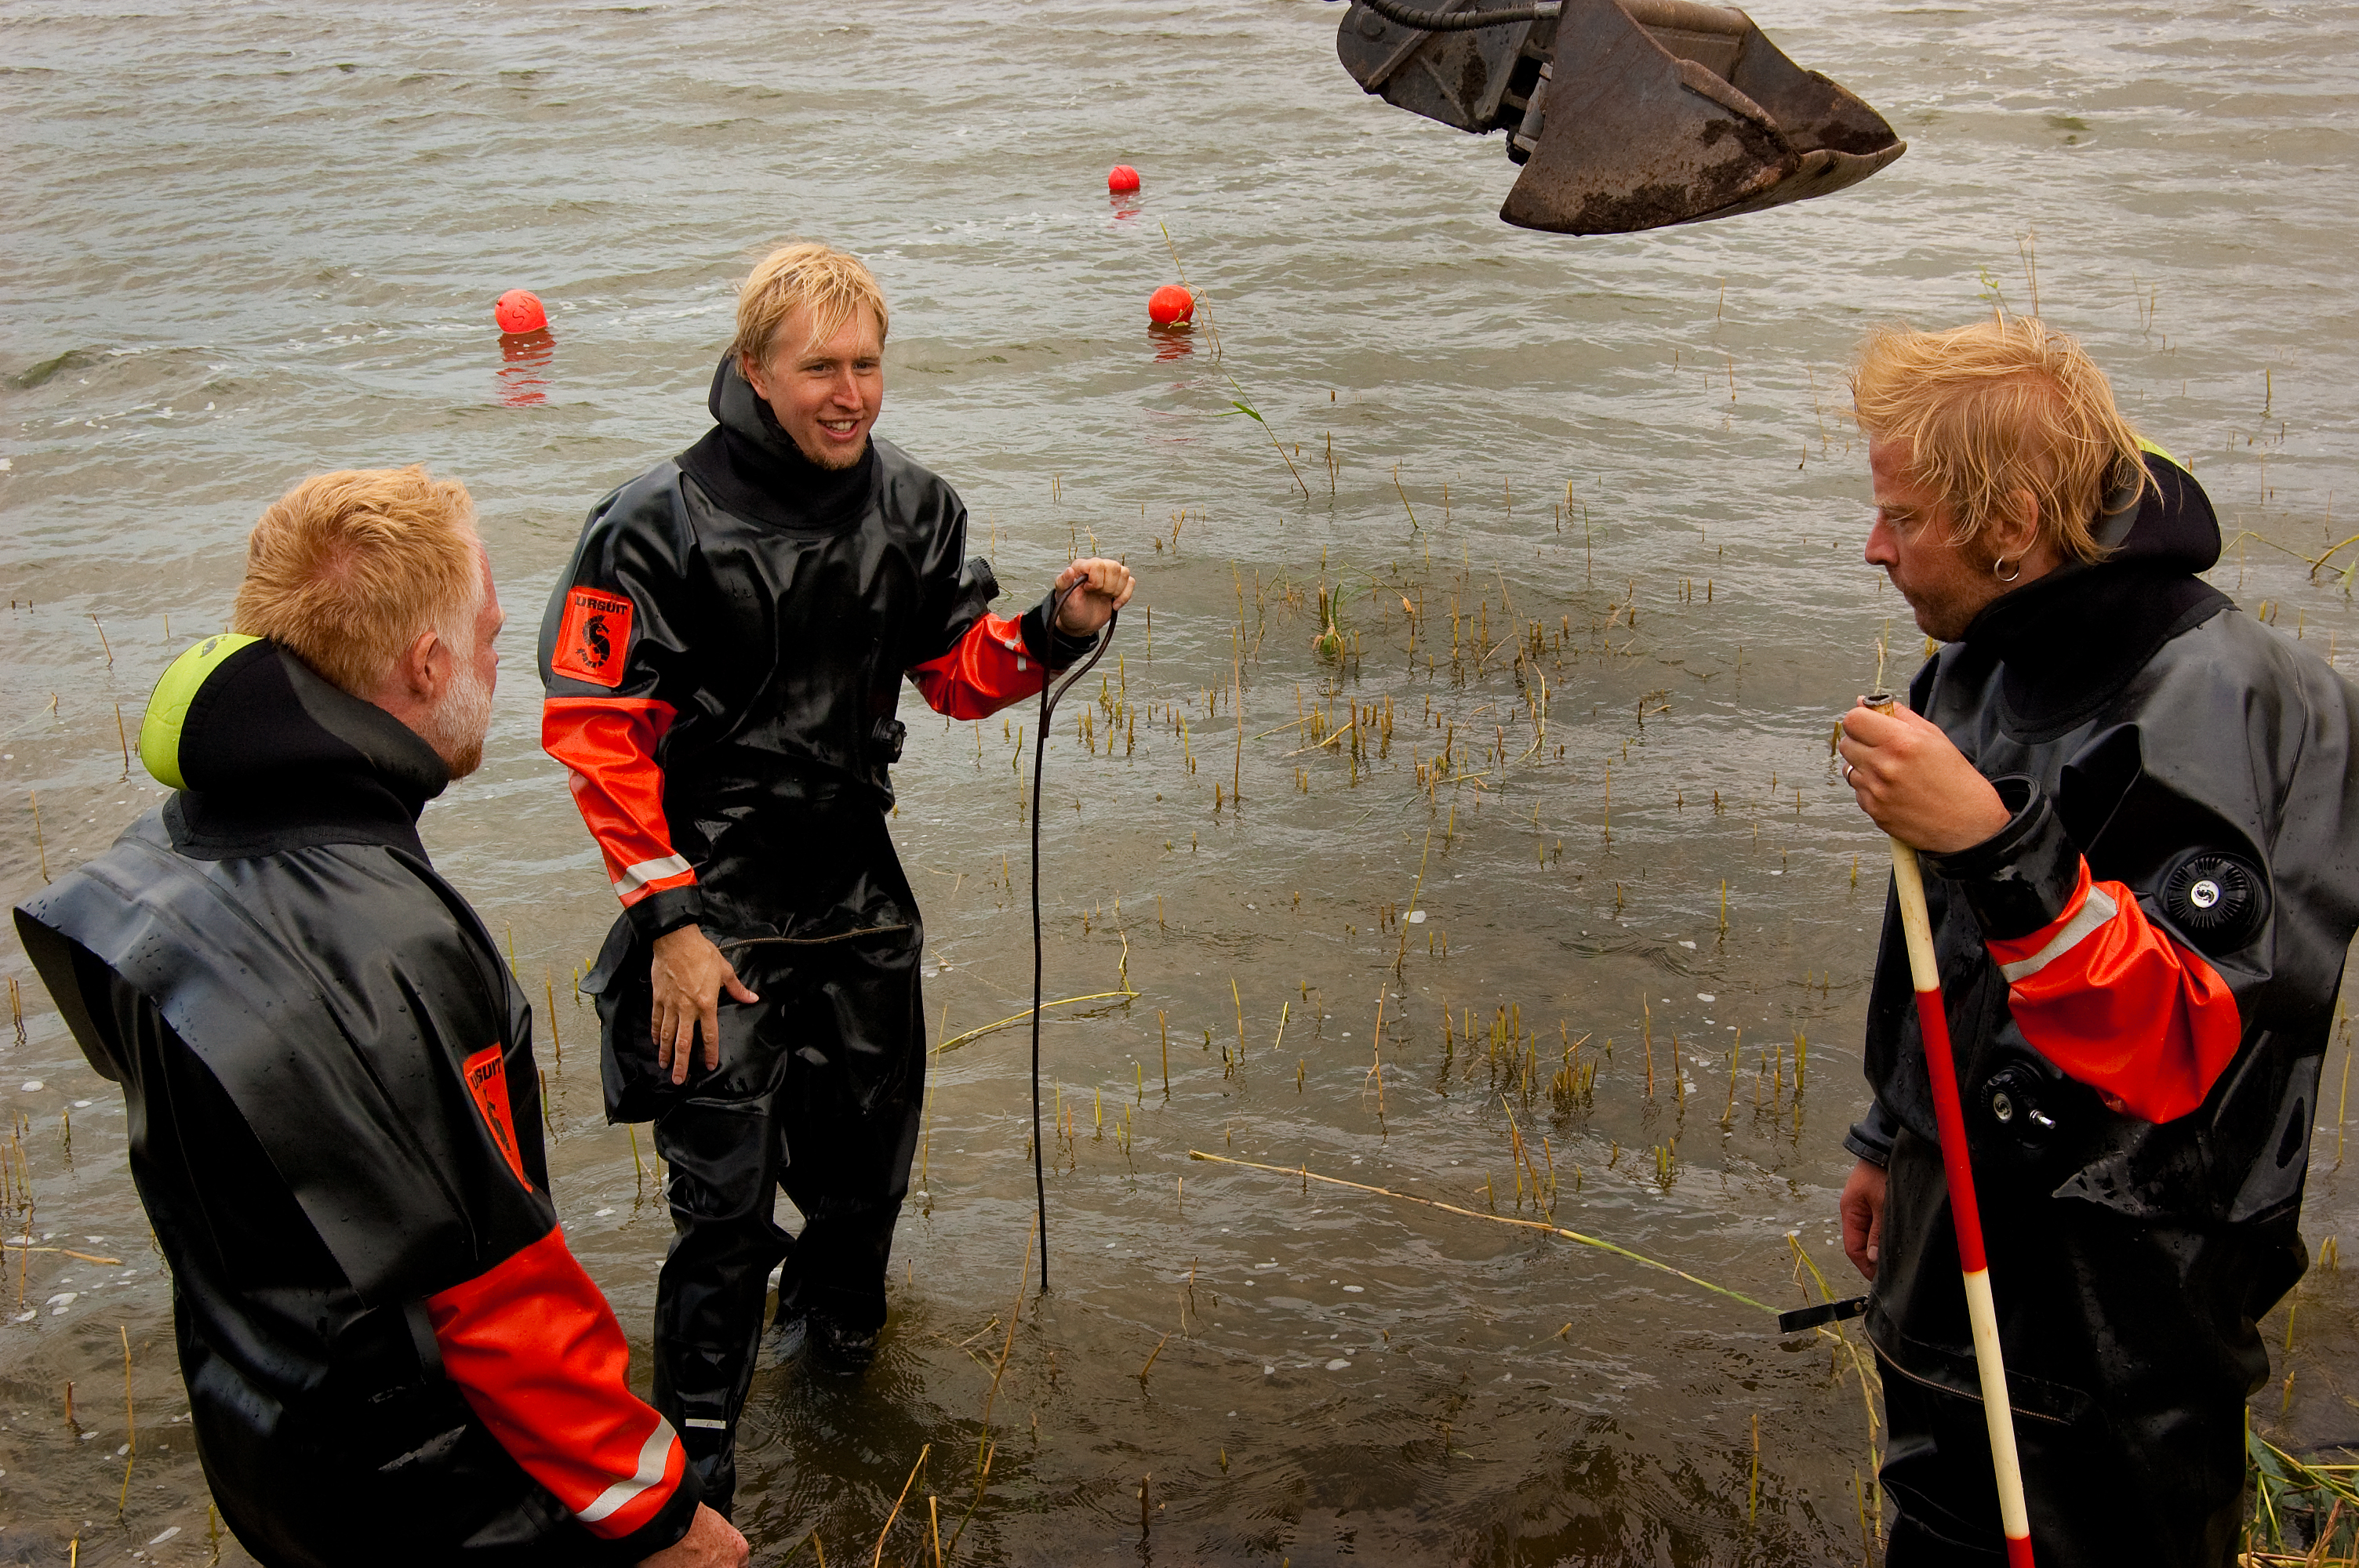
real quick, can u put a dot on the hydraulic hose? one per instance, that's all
(1463, 21)
(1051, 691)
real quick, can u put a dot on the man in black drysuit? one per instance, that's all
(723, 656)
(392, 1358)
(2136, 808)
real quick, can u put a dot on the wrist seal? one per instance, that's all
(1048, 645)
(661, 913)
(2021, 877)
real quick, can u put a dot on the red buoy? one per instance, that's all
(1122, 178)
(519, 310)
(1170, 305)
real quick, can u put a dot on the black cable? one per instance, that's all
(1462, 21)
(1052, 692)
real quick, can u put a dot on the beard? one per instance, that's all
(834, 461)
(457, 725)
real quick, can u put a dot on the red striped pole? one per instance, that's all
(1950, 1116)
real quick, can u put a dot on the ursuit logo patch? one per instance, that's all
(487, 1082)
(594, 638)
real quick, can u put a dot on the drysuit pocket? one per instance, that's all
(722, 1156)
(846, 1003)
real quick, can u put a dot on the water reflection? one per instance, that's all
(528, 354)
(1126, 204)
(1175, 342)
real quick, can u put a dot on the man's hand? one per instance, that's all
(688, 974)
(1863, 1216)
(712, 1542)
(1918, 786)
(1106, 587)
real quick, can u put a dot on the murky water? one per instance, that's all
(248, 243)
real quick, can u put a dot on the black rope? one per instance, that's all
(1462, 21)
(1052, 692)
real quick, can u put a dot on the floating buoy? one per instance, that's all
(519, 310)
(1122, 178)
(1170, 305)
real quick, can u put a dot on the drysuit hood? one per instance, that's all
(268, 754)
(2070, 640)
(752, 467)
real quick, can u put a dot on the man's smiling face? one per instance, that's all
(824, 394)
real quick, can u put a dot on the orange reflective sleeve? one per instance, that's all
(535, 1352)
(608, 746)
(985, 671)
(2118, 1005)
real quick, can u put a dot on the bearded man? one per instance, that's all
(391, 1355)
(723, 655)
(2137, 809)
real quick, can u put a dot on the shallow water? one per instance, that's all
(250, 243)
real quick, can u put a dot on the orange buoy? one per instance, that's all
(519, 310)
(1122, 178)
(1170, 305)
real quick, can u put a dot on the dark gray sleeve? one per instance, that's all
(1871, 1136)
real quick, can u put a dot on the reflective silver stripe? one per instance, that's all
(707, 1422)
(645, 871)
(655, 1454)
(2093, 914)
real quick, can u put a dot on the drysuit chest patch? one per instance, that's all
(593, 638)
(487, 1083)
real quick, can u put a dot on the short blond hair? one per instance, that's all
(831, 282)
(1996, 408)
(348, 568)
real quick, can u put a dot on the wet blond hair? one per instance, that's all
(832, 283)
(1996, 408)
(348, 568)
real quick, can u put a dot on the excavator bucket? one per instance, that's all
(1627, 114)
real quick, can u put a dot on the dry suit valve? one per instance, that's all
(2014, 1102)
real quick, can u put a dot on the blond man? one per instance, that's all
(2136, 803)
(391, 1355)
(722, 657)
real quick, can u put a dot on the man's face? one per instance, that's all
(824, 394)
(460, 721)
(1945, 584)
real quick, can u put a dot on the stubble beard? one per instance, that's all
(458, 724)
(835, 461)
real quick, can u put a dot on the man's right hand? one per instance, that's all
(688, 974)
(712, 1542)
(1863, 1216)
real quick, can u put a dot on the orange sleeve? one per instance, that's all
(985, 671)
(535, 1351)
(2118, 1005)
(608, 747)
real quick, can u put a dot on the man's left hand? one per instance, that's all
(1106, 587)
(1917, 785)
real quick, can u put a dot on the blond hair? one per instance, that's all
(348, 568)
(1998, 408)
(830, 282)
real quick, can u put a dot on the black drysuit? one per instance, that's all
(2140, 973)
(391, 1357)
(723, 655)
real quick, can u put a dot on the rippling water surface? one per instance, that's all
(1597, 486)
